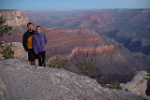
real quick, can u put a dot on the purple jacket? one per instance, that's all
(38, 42)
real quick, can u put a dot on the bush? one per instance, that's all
(1, 44)
(115, 85)
(57, 63)
(87, 68)
(4, 28)
(8, 52)
(102, 80)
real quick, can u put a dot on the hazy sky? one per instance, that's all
(71, 4)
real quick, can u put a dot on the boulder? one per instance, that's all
(2, 90)
(18, 49)
(138, 84)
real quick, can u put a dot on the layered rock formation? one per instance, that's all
(131, 41)
(27, 82)
(70, 20)
(64, 41)
(14, 17)
(106, 50)
(18, 20)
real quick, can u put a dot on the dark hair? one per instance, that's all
(38, 26)
(30, 24)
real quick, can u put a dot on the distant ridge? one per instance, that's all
(8, 10)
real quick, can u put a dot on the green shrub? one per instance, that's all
(1, 44)
(57, 63)
(87, 68)
(103, 81)
(115, 85)
(8, 52)
(4, 28)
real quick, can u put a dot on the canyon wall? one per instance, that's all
(14, 17)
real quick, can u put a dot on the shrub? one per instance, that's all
(57, 63)
(4, 28)
(87, 68)
(115, 85)
(1, 44)
(8, 52)
(103, 81)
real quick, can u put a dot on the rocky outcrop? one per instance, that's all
(2, 91)
(138, 85)
(18, 20)
(18, 49)
(14, 17)
(27, 82)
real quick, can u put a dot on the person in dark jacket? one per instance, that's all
(39, 41)
(27, 43)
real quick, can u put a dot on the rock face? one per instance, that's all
(27, 82)
(2, 90)
(14, 17)
(18, 20)
(18, 49)
(139, 83)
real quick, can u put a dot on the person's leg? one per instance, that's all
(32, 62)
(39, 59)
(43, 58)
(31, 56)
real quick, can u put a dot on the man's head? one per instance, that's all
(30, 26)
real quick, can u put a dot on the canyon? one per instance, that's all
(116, 41)
(110, 38)
(128, 26)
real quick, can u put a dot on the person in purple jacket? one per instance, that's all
(39, 41)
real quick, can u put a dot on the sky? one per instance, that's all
(29, 5)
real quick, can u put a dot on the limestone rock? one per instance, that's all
(19, 51)
(14, 17)
(2, 90)
(138, 85)
(26, 82)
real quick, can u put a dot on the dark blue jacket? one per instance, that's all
(39, 41)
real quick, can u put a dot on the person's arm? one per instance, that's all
(24, 42)
(34, 44)
(45, 40)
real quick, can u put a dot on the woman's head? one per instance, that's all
(38, 29)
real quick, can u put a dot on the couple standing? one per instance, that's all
(34, 43)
